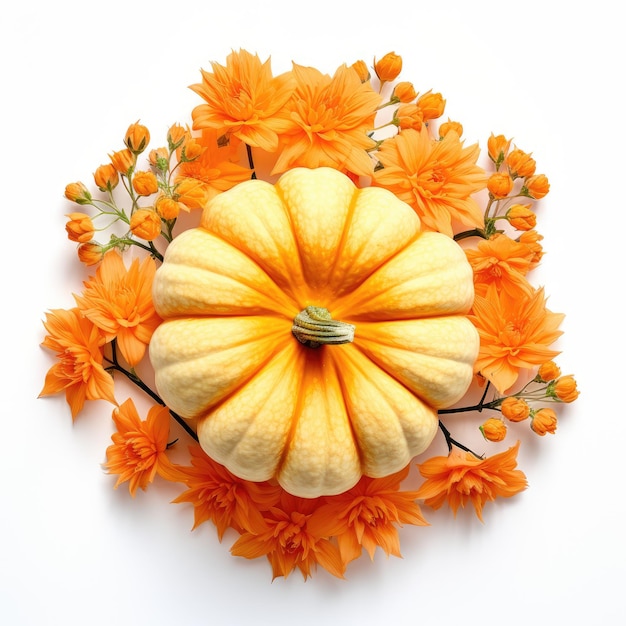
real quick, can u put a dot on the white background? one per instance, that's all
(75, 75)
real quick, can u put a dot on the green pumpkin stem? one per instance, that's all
(314, 327)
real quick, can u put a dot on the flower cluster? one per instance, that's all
(380, 132)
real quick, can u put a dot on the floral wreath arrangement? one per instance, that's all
(323, 314)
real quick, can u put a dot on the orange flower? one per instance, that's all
(543, 421)
(221, 497)
(119, 302)
(285, 539)
(244, 100)
(145, 224)
(90, 253)
(450, 126)
(106, 177)
(79, 227)
(520, 164)
(409, 116)
(389, 67)
(536, 187)
(138, 452)
(123, 161)
(515, 409)
(514, 334)
(437, 178)
(432, 105)
(215, 169)
(137, 138)
(145, 183)
(500, 185)
(498, 148)
(460, 478)
(549, 371)
(167, 207)
(77, 192)
(531, 239)
(565, 389)
(493, 429)
(502, 262)
(332, 117)
(521, 217)
(78, 344)
(360, 67)
(404, 92)
(366, 516)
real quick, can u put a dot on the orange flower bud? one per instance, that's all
(145, 224)
(536, 187)
(145, 183)
(515, 409)
(77, 192)
(493, 429)
(543, 421)
(565, 389)
(191, 150)
(90, 253)
(123, 161)
(520, 164)
(137, 138)
(521, 217)
(450, 126)
(404, 92)
(176, 135)
(531, 239)
(389, 67)
(106, 177)
(549, 371)
(408, 116)
(159, 158)
(191, 192)
(360, 67)
(500, 185)
(79, 228)
(167, 208)
(432, 105)
(498, 148)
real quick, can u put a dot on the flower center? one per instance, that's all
(314, 327)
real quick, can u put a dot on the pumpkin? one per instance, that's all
(311, 331)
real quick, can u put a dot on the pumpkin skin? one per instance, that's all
(264, 404)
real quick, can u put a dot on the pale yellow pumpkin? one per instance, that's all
(265, 403)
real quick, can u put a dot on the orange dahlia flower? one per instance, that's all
(437, 178)
(79, 371)
(514, 334)
(331, 117)
(243, 99)
(460, 478)
(119, 302)
(367, 516)
(138, 452)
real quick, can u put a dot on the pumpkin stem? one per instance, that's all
(314, 327)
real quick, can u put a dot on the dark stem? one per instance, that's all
(115, 365)
(250, 160)
(475, 232)
(477, 407)
(453, 442)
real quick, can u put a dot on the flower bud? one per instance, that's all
(520, 164)
(403, 92)
(536, 187)
(77, 192)
(137, 138)
(79, 228)
(493, 429)
(450, 126)
(145, 224)
(360, 67)
(549, 371)
(515, 409)
(176, 135)
(531, 239)
(521, 217)
(191, 150)
(159, 158)
(145, 183)
(167, 208)
(123, 161)
(389, 67)
(90, 253)
(408, 116)
(191, 192)
(543, 421)
(106, 177)
(565, 389)
(432, 105)
(498, 148)
(500, 185)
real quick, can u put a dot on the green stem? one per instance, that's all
(314, 327)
